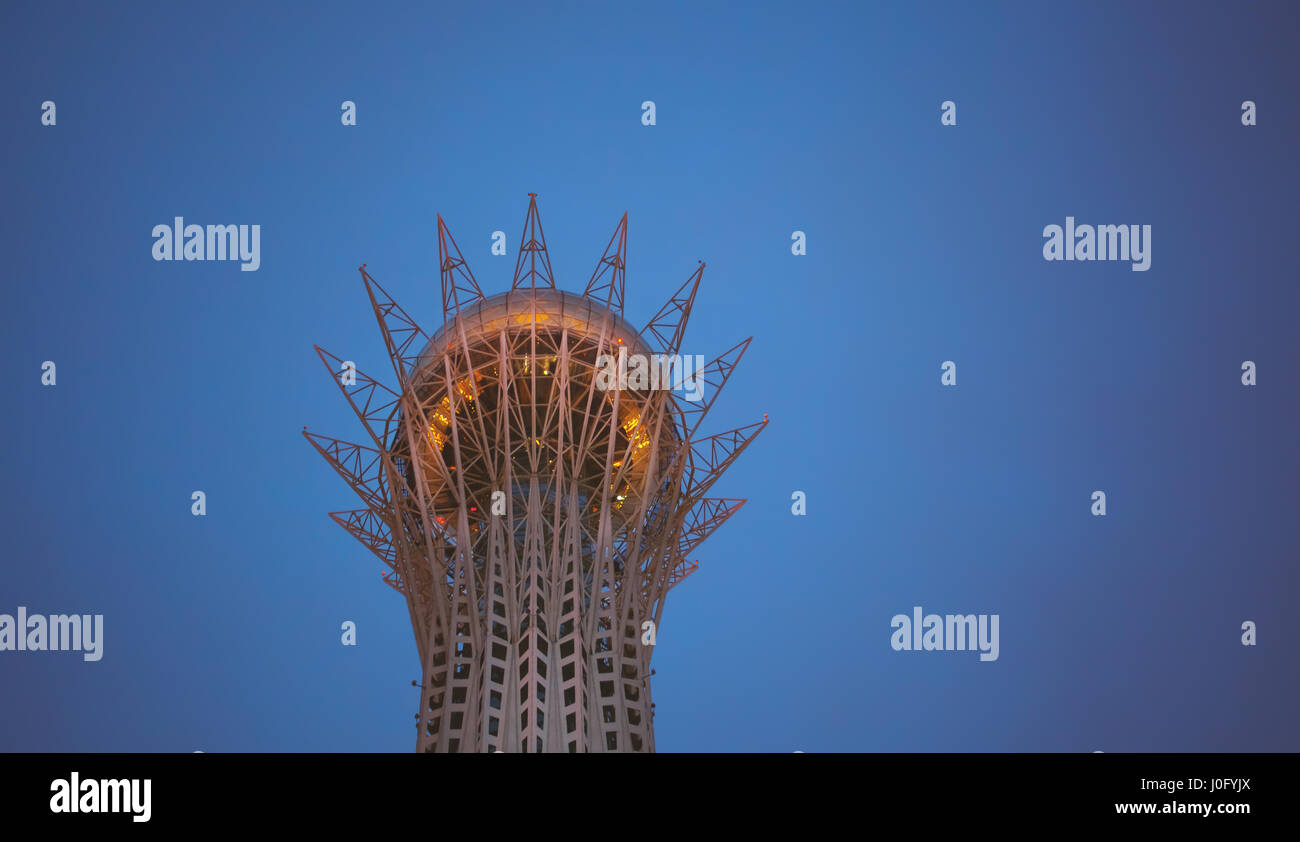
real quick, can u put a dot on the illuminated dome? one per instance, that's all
(544, 332)
(519, 309)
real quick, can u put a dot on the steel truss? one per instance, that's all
(533, 521)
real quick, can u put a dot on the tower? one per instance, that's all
(531, 504)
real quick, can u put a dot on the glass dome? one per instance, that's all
(520, 309)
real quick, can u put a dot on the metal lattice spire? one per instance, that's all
(533, 516)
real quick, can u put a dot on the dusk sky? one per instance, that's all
(924, 244)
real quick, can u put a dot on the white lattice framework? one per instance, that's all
(533, 520)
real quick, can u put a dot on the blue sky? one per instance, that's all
(1119, 633)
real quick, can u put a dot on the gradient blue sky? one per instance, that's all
(924, 244)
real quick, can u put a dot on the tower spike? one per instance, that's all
(369, 527)
(399, 329)
(372, 401)
(704, 517)
(607, 282)
(713, 455)
(394, 580)
(459, 289)
(664, 332)
(715, 376)
(683, 569)
(533, 261)
(360, 466)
